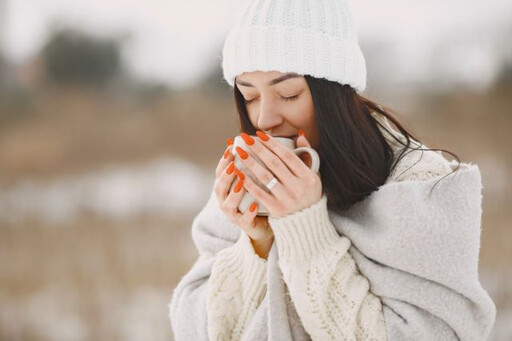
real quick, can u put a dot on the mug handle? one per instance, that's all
(315, 159)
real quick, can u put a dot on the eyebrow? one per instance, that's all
(273, 81)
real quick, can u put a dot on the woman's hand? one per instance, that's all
(298, 187)
(257, 228)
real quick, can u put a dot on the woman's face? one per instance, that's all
(279, 103)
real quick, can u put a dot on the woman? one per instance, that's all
(365, 250)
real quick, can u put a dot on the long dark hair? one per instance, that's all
(356, 158)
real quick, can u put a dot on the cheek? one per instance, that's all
(306, 115)
(253, 117)
(301, 119)
(300, 114)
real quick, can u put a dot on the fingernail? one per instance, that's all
(231, 167)
(238, 186)
(301, 133)
(226, 153)
(253, 207)
(239, 174)
(243, 154)
(249, 140)
(262, 135)
(229, 142)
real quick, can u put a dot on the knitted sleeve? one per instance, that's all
(217, 296)
(235, 289)
(332, 298)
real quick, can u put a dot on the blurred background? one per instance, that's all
(114, 114)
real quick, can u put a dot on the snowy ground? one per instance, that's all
(163, 187)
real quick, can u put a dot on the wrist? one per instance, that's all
(262, 247)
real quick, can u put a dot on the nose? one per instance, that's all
(269, 116)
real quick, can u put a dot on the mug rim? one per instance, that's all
(290, 143)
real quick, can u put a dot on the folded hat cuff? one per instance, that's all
(290, 49)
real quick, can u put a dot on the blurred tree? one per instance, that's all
(505, 76)
(3, 70)
(214, 80)
(72, 56)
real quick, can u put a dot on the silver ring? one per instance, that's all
(271, 184)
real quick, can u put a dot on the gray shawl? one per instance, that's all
(419, 252)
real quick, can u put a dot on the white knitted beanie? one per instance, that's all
(308, 37)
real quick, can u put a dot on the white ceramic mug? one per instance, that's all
(248, 199)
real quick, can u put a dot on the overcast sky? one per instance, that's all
(176, 41)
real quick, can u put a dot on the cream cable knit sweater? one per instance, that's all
(331, 297)
(334, 301)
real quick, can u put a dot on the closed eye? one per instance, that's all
(286, 99)
(293, 98)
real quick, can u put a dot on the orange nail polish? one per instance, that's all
(249, 140)
(262, 135)
(301, 132)
(229, 142)
(239, 174)
(230, 168)
(243, 154)
(253, 207)
(226, 153)
(238, 186)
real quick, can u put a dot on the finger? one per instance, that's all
(274, 164)
(262, 175)
(292, 161)
(257, 228)
(261, 195)
(306, 158)
(224, 182)
(247, 218)
(224, 161)
(303, 142)
(230, 205)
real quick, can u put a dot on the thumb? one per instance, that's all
(302, 141)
